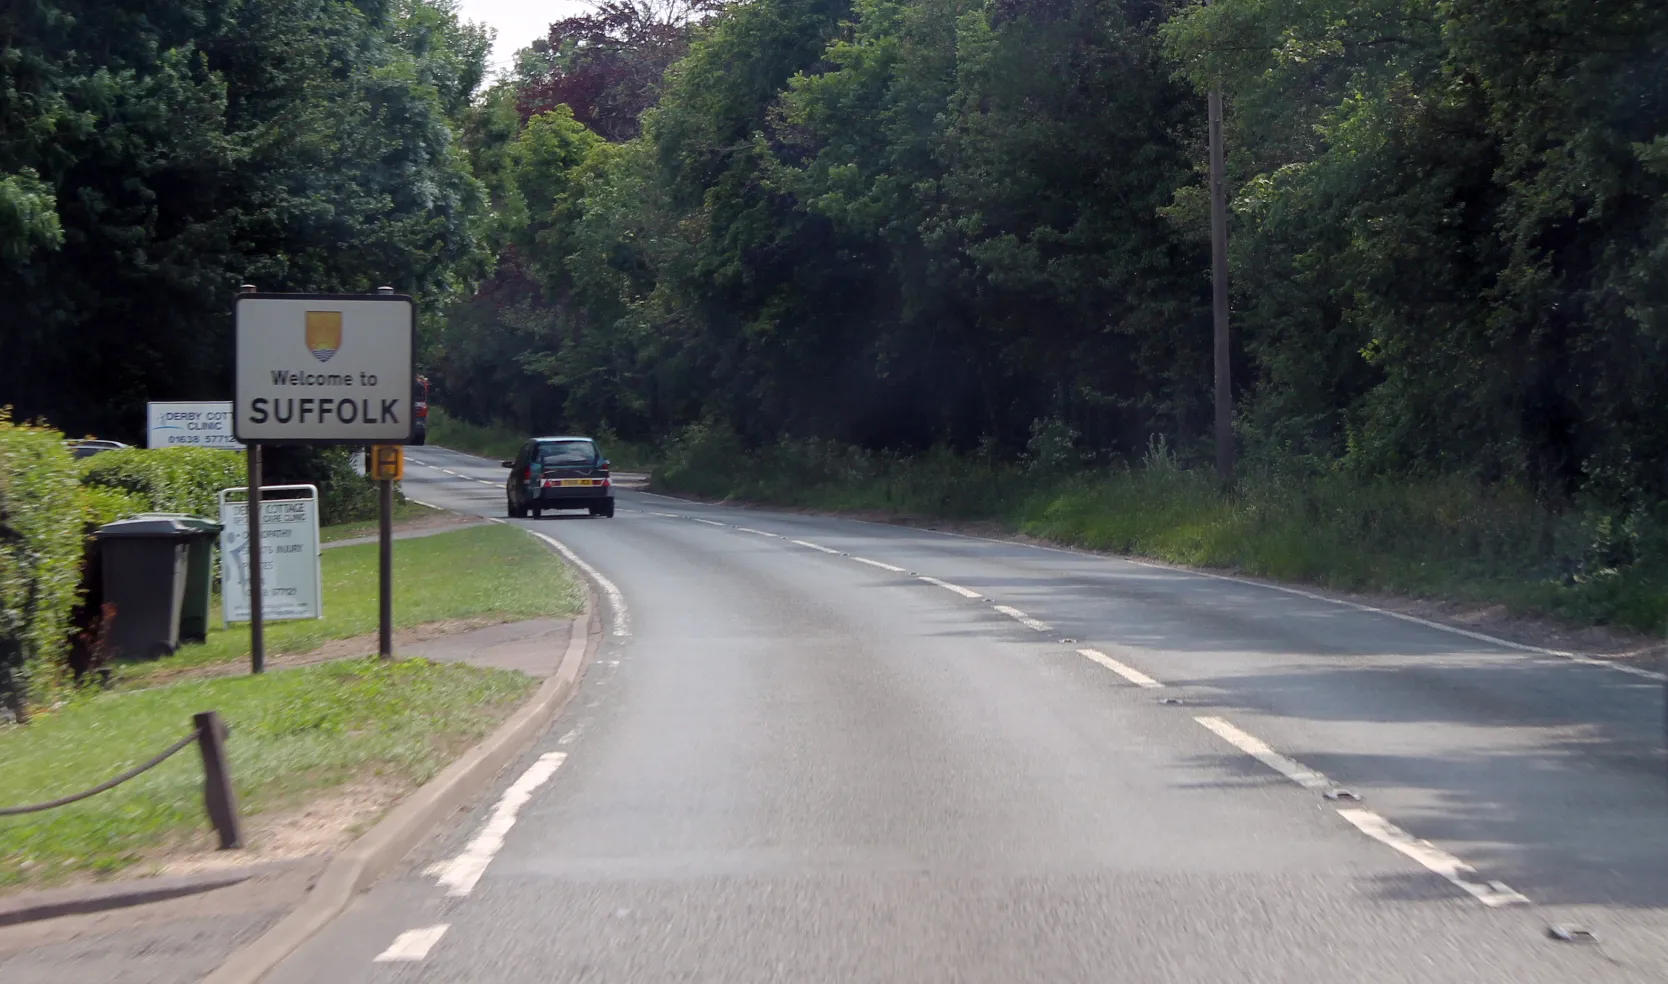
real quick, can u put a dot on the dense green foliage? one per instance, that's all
(945, 237)
(40, 559)
(908, 223)
(177, 480)
(155, 156)
(1451, 231)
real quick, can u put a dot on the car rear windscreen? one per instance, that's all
(568, 453)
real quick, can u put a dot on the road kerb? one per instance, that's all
(372, 855)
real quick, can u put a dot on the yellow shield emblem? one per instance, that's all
(324, 333)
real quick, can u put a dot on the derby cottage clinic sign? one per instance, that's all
(324, 369)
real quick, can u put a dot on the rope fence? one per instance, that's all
(209, 732)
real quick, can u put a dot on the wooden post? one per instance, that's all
(385, 570)
(218, 798)
(1219, 300)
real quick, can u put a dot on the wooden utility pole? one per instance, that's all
(1219, 284)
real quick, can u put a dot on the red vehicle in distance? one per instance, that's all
(420, 410)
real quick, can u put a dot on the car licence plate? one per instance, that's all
(551, 483)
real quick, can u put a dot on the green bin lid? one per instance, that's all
(159, 525)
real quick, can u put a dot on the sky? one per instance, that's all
(518, 22)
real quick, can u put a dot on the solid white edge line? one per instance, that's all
(1433, 858)
(1290, 768)
(413, 944)
(1129, 673)
(876, 563)
(1414, 619)
(616, 600)
(460, 874)
(1573, 657)
(813, 546)
(946, 585)
(1024, 619)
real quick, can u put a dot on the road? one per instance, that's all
(818, 750)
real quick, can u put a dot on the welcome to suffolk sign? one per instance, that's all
(324, 369)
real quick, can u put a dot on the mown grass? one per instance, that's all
(404, 509)
(499, 441)
(293, 732)
(492, 573)
(1444, 538)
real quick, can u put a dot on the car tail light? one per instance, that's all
(529, 475)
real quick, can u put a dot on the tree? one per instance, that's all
(183, 150)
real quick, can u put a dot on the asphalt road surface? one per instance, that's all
(823, 751)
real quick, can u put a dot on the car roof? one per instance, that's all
(565, 437)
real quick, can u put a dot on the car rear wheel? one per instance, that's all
(538, 513)
(604, 509)
(515, 513)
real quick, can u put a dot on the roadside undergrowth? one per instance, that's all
(1434, 538)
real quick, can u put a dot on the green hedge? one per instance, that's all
(42, 515)
(181, 480)
(189, 480)
(345, 496)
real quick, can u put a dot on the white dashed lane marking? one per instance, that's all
(1290, 768)
(946, 585)
(459, 875)
(467, 868)
(413, 944)
(1129, 673)
(1431, 857)
(1024, 619)
(1492, 894)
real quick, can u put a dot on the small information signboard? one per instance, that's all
(190, 425)
(290, 578)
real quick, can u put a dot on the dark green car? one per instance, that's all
(559, 473)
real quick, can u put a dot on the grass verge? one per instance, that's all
(1441, 538)
(293, 733)
(491, 573)
(405, 511)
